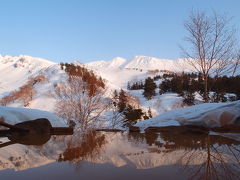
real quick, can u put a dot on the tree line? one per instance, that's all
(186, 85)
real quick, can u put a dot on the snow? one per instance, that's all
(12, 77)
(159, 103)
(15, 71)
(17, 115)
(143, 63)
(207, 114)
(152, 63)
(115, 63)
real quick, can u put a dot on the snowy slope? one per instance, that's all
(152, 63)
(141, 62)
(14, 71)
(115, 63)
(144, 62)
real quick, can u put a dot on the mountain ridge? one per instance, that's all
(137, 62)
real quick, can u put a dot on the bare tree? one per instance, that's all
(116, 118)
(236, 64)
(76, 105)
(211, 49)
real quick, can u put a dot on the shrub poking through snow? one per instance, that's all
(25, 93)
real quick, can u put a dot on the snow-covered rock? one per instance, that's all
(17, 115)
(207, 115)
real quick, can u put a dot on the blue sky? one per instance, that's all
(69, 30)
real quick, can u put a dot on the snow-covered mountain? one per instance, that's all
(15, 72)
(119, 71)
(141, 63)
(151, 63)
(117, 62)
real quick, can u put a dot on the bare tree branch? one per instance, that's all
(211, 46)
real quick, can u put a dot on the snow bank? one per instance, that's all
(207, 115)
(17, 115)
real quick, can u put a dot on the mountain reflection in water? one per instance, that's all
(118, 155)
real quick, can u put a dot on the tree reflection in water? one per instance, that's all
(219, 156)
(85, 147)
(202, 156)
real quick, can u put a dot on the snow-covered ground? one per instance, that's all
(207, 114)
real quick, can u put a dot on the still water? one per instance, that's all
(122, 155)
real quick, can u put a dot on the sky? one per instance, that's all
(90, 30)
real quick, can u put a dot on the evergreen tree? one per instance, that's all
(132, 115)
(149, 88)
(122, 101)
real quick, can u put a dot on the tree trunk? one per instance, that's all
(205, 95)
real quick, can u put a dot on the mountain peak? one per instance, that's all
(25, 60)
(150, 63)
(115, 63)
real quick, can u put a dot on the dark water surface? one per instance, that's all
(117, 155)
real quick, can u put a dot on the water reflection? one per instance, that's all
(36, 140)
(83, 147)
(218, 157)
(195, 156)
(199, 156)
